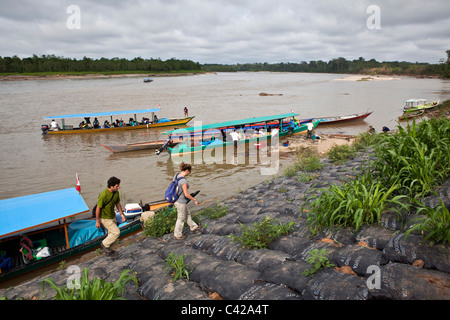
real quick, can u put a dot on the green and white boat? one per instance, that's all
(217, 135)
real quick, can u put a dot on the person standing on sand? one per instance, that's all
(183, 213)
(310, 129)
(105, 214)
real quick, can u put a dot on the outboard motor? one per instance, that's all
(44, 128)
(164, 146)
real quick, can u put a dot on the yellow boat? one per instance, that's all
(133, 124)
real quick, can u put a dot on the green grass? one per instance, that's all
(175, 266)
(97, 289)
(409, 165)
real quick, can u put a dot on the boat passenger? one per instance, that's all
(106, 124)
(105, 214)
(54, 125)
(83, 125)
(96, 124)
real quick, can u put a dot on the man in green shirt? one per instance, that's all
(105, 214)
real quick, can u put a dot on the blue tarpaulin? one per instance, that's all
(83, 231)
(22, 213)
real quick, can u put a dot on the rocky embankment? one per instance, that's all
(377, 262)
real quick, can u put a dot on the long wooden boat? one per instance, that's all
(411, 115)
(212, 137)
(126, 147)
(43, 218)
(346, 118)
(413, 105)
(133, 123)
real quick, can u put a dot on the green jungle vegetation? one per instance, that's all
(51, 65)
(410, 164)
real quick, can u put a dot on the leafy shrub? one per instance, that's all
(340, 154)
(262, 233)
(163, 223)
(214, 212)
(319, 260)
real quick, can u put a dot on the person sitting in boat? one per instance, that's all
(96, 124)
(83, 125)
(145, 120)
(54, 125)
(385, 129)
(106, 124)
(155, 120)
(121, 123)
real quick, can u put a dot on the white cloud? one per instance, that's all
(233, 31)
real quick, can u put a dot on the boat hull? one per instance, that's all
(173, 122)
(424, 107)
(341, 119)
(137, 146)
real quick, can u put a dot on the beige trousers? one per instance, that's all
(183, 214)
(113, 232)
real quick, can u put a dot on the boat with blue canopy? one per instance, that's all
(108, 124)
(217, 135)
(42, 229)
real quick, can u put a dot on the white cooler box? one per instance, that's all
(132, 210)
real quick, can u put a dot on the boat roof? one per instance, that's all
(233, 123)
(27, 212)
(416, 100)
(102, 114)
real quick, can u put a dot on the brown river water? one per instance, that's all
(33, 163)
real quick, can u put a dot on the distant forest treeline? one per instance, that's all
(342, 65)
(52, 63)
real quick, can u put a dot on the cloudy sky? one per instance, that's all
(228, 31)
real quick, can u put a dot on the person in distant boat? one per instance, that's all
(310, 130)
(371, 130)
(106, 216)
(83, 125)
(96, 124)
(106, 124)
(155, 120)
(183, 213)
(235, 136)
(186, 112)
(385, 129)
(54, 125)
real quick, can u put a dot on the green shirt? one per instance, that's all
(111, 199)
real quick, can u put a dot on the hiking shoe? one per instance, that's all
(108, 251)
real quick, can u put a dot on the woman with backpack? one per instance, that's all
(183, 213)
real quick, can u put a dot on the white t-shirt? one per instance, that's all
(234, 135)
(310, 126)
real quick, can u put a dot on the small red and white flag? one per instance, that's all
(78, 184)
